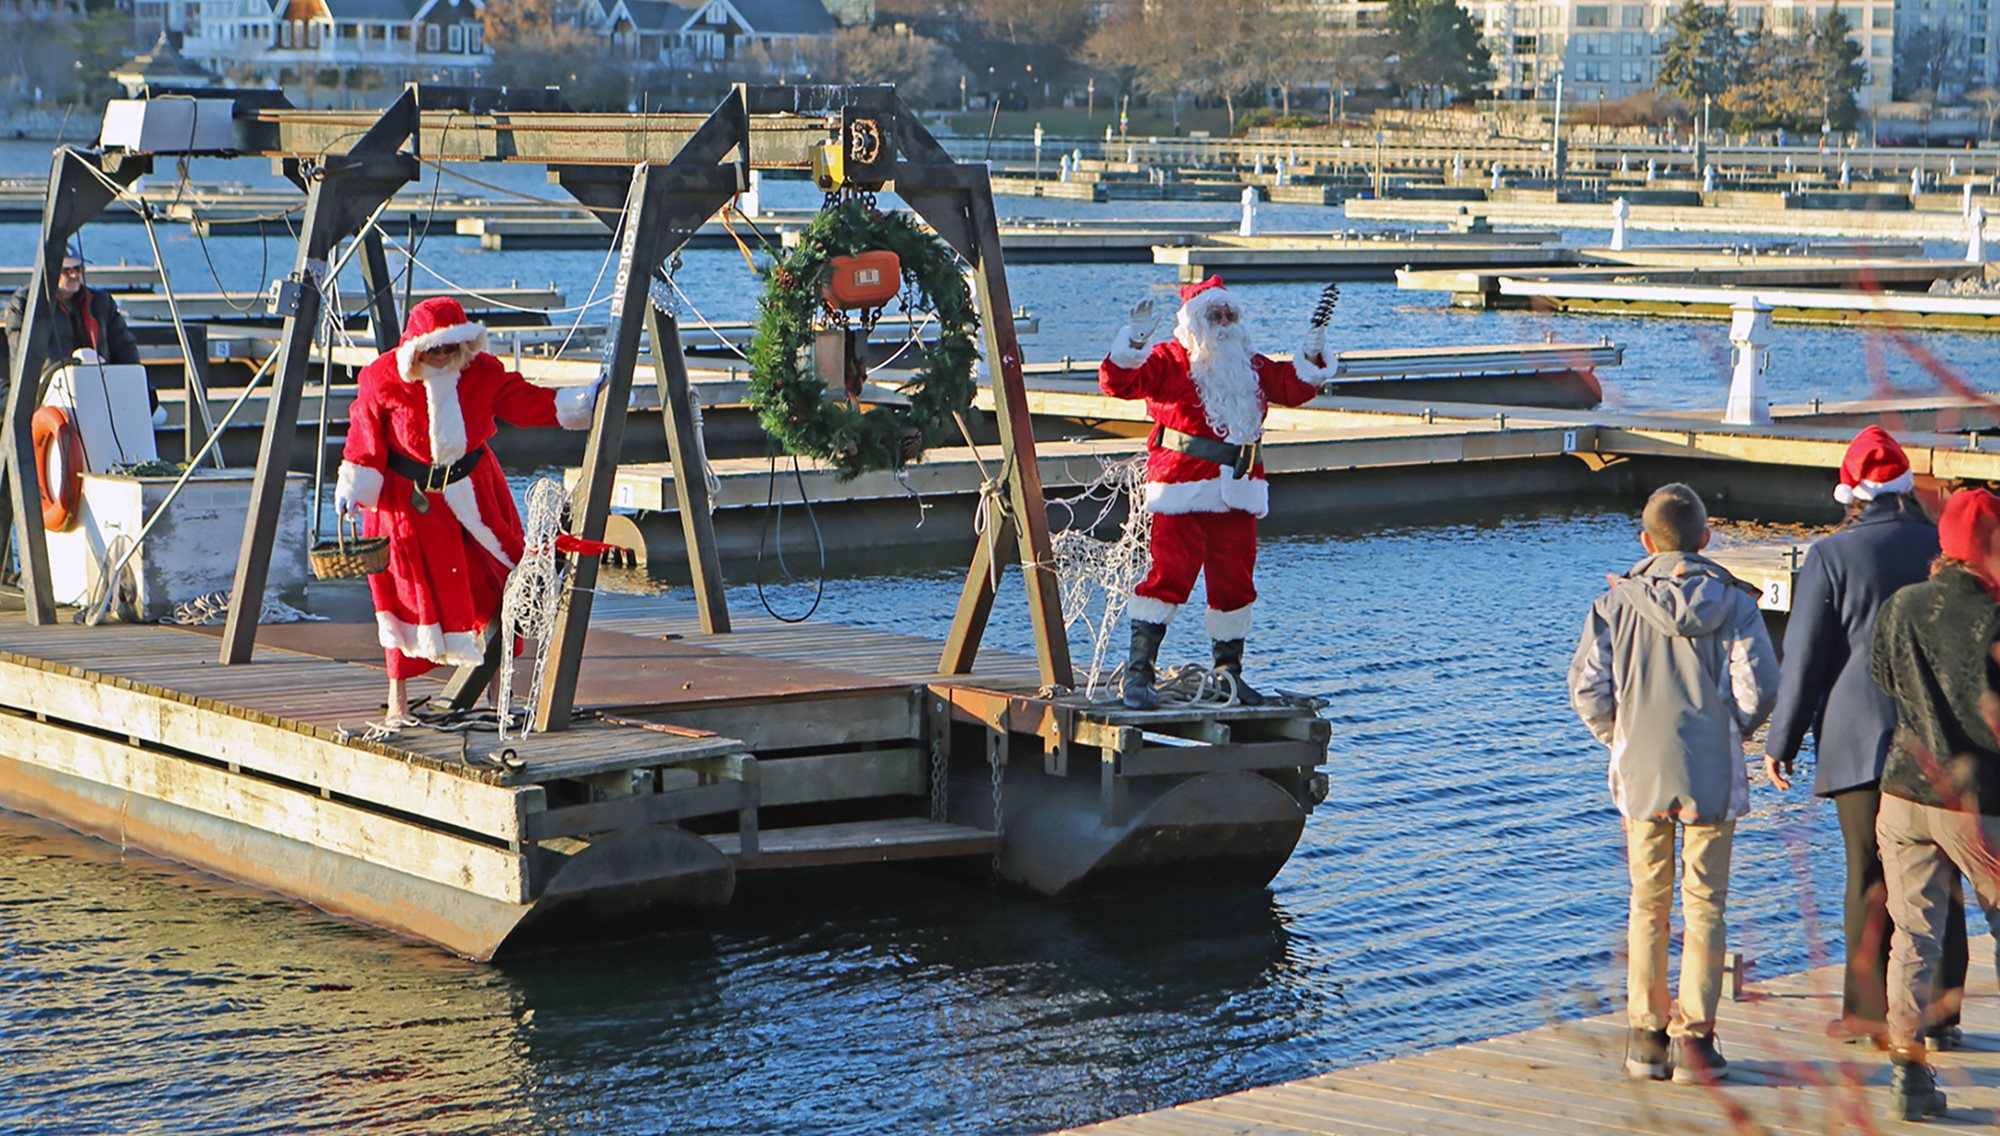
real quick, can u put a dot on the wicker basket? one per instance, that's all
(349, 554)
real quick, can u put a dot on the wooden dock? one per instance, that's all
(1705, 268)
(1357, 257)
(1845, 307)
(1854, 223)
(1786, 1078)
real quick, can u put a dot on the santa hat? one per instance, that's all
(1874, 465)
(437, 322)
(1197, 299)
(1965, 531)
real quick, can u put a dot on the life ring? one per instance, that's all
(59, 460)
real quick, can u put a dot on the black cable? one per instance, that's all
(430, 215)
(774, 511)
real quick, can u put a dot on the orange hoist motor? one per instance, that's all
(865, 280)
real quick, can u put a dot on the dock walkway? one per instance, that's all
(1566, 1079)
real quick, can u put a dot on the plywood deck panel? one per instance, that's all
(1785, 1078)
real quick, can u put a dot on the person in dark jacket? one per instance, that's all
(84, 318)
(1887, 544)
(1934, 656)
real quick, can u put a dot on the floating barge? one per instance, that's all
(698, 757)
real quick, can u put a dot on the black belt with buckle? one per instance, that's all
(427, 478)
(1241, 459)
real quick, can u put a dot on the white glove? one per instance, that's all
(86, 356)
(344, 505)
(159, 416)
(596, 385)
(1142, 320)
(1313, 346)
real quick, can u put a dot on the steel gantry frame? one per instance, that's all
(655, 179)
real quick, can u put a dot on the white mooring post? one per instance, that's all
(1916, 180)
(1975, 235)
(1624, 163)
(1621, 213)
(1496, 175)
(1062, 168)
(1750, 343)
(1457, 166)
(1708, 178)
(1258, 168)
(1248, 226)
(1652, 168)
(1843, 175)
(1951, 167)
(751, 203)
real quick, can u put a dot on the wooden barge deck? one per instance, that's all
(1786, 1078)
(695, 757)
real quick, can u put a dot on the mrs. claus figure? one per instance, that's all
(417, 461)
(1206, 392)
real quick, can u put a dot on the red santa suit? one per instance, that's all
(448, 561)
(1204, 384)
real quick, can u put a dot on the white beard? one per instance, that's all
(1219, 363)
(447, 421)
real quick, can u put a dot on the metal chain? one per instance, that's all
(998, 760)
(939, 786)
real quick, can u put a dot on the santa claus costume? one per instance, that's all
(417, 460)
(1207, 393)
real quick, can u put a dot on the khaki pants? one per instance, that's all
(1923, 850)
(1649, 847)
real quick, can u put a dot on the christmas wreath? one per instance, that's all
(790, 399)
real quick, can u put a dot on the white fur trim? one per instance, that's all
(1312, 372)
(1227, 625)
(1844, 494)
(1869, 490)
(1122, 354)
(464, 504)
(428, 641)
(1146, 609)
(407, 351)
(359, 484)
(577, 406)
(447, 424)
(1212, 495)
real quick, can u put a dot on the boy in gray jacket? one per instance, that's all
(1674, 670)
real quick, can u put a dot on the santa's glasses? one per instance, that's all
(446, 351)
(1221, 315)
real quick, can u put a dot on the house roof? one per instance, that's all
(657, 15)
(372, 9)
(162, 63)
(782, 17)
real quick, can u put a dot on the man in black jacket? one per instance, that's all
(1887, 544)
(84, 318)
(1940, 812)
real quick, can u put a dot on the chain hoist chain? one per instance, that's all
(939, 786)
(997, 758)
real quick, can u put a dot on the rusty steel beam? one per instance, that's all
(545, 138)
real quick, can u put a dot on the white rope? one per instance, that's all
(1096, 576)
(497, 302)
(533, 598)
(213, 608)
(712, 329)
(709, 478)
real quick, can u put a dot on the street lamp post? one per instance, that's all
(1090, 98)
(1038, 151)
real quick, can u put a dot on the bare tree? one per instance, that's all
(919, 65)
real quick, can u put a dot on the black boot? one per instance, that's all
(1913, 1091)
(1138, 689)
(1229, 657)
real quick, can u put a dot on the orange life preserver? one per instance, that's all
(56, 436)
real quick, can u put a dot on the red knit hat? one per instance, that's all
(1965, 531)
(1874, 465)
(437, 322)
(1190, 291)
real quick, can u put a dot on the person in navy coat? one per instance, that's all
(1887, 543)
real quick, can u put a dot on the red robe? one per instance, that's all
(1205, 517)
(448, 565)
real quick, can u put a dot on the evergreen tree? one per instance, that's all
(1703, 53)
(1835, 64)
(1437, 45)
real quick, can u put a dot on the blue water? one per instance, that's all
(1464, 878)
